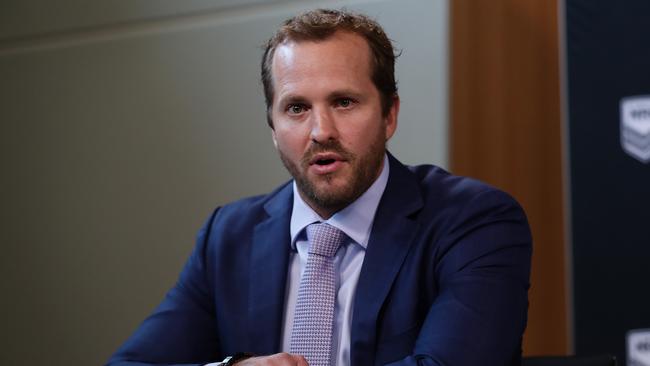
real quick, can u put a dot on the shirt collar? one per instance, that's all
(355, 220)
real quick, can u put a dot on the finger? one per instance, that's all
(300, 360)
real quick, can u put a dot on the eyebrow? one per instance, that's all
(345, 93)
(291, 99)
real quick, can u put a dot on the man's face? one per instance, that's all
(327, 121)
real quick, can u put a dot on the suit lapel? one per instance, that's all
(391, 237)
(268, 271)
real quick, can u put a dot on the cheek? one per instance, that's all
(287, 141)
(362, 131)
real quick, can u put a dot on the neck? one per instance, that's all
(324, 211)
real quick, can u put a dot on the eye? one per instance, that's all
(295, 108)
(344, 102)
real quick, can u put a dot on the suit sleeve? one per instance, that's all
(182, 329)
(482, 271)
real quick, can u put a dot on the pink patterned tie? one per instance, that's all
(314, 315)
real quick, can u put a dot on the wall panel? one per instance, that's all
(505, 129)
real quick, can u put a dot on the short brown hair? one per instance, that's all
(320, 24)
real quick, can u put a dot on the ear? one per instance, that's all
(391, 117)
(275, 140)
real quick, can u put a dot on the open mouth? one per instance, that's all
(324, 161)
(325, 158)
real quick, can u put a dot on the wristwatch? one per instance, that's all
(230, 360)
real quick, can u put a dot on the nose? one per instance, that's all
(323, 128)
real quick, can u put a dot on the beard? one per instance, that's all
(321, 192)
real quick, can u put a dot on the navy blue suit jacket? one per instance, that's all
(444, 280)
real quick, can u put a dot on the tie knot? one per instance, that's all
(324, 239)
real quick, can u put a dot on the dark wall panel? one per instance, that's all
(608, 63)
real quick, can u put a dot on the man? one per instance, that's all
(421, 267)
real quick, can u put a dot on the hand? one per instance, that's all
(278, 359)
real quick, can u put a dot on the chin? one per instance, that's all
(333, 196)
(331, 186)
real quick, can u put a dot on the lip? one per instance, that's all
(325, 156)
(325, 169)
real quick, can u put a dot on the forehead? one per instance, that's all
(341, 55)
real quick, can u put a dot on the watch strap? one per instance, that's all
(231, 360)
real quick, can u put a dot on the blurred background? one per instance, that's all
(124, 123)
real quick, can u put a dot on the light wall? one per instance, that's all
(123, 124)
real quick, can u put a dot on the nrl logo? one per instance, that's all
(635, 127)
(638, 347)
